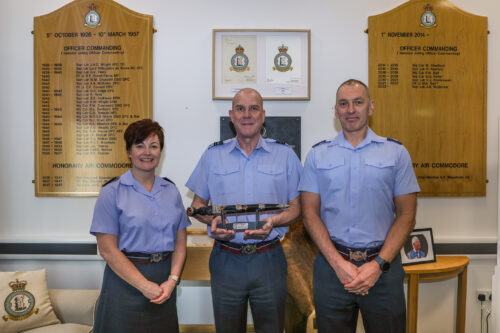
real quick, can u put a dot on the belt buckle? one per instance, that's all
(249, 249)
(357, 255)
(155, 257)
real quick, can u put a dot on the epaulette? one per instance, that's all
(168, 180)
(319, 143)
(394, 140)
(281, 142)
(110, 181)
(217, 143)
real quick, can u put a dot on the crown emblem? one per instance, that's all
(239, 49)
(283, 48)
(17, 285)
(92, 7)
(428, 8)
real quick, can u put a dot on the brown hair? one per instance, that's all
(140, 130)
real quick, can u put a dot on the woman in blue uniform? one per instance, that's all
(140, 225)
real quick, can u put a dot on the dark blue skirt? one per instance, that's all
(123, 309)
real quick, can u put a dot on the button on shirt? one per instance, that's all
(143, 221)
(357, 186)
(225, 175)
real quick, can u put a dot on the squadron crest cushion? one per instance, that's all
(25, 301)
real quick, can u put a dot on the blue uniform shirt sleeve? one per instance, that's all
(294, 174)
(198, 181)
(309, 180)
(405, 181)
(105, 219)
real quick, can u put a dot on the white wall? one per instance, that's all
(183, 105)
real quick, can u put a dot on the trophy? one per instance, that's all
(237, 210)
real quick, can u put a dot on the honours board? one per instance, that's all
(92, 77)
(427, 76)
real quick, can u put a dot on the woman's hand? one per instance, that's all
(167, 288)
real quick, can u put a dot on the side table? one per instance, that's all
(445, 267)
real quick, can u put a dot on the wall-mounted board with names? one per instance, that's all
(93, 77)
(427, 76)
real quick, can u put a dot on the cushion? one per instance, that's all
(26, 301)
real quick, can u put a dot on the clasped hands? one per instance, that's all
(158, 294)
(358, 280)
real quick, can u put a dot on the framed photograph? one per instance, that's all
(418, 248)
(274, 62)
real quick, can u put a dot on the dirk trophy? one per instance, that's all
(237, 210)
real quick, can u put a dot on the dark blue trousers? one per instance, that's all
(237, 279)
(123, 309)
(383, 310)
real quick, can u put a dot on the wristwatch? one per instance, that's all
(384, 265)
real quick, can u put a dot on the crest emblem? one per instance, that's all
(239, 61)
(19, 304)
(92, 19)
(428, 19)
(283, 61)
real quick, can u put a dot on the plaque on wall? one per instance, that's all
(284, 129)
(427, 76)
(93, 77)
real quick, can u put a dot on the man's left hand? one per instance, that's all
(369, 274)
(260, 233)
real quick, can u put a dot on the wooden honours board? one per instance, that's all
(92, 77)
(427, 76)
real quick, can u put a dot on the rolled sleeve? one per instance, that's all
(309, 179)
(405, 180)
(106, 216)
(198, 181)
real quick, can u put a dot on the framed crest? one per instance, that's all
(274, 62)
(418, 248)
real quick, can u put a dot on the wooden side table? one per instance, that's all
(445, 267)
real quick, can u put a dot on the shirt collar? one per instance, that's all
(234, 144)
(370, 137)
(128, 179)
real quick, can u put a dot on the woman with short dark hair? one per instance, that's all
(140, 225)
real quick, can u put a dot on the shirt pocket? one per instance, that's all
(331, 172)
(379, 172)
(271, 178)
(226, 178)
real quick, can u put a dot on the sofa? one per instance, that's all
(74, 308)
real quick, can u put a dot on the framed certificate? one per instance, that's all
(274, 62)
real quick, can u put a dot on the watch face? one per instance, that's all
(385, 266)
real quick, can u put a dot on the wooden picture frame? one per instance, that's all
(418, 248)
(275, 62)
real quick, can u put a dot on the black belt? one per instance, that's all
(247, 248)
(357, 254)
(147, 258)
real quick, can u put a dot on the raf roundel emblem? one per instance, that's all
(92, 19)
(19, 304)
(239, 61)
(282, 61)
(428, 19)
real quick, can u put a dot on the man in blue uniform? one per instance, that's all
(248, 266)
(359, 203)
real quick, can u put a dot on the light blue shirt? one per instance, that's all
(143, 221)
(225, 175)
(357, 186)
